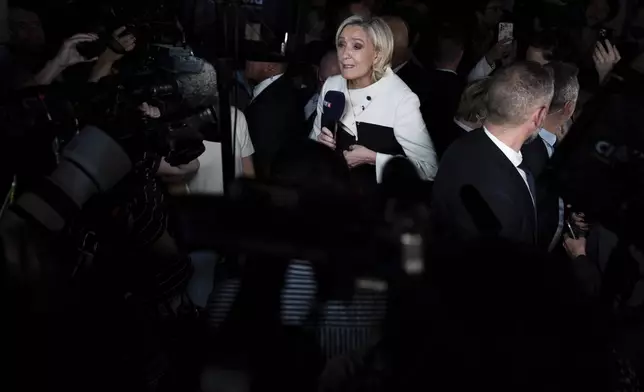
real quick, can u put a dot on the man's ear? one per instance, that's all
(569, 108)
(539, 116)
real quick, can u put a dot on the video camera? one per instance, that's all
(183, 86)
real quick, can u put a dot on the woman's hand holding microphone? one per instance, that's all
(326, 137)
(357, 154)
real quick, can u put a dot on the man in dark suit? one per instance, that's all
(403, 63)
(445, 88)
(274, 114)
(482, 187)
(537, 153)
(329, 66)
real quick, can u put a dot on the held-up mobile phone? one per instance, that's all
(605, 34)
(506, 31)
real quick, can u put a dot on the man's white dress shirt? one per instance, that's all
(311, 106)
(209, 178)
(481, 70)
(514, 156)
(398, 68)
(447, 70)
(550, 140)
(263, 85)
(463, 126)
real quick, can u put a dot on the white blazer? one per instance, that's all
(389, 103)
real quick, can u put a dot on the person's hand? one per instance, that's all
(326, 137)
(579, 220)
(150, 111)
(500, 50)
(574, 247)
(605, 57)
(68, 54)
(359, 155)
(511, 54)
(128, 42)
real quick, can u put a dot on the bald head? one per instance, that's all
(329, 66)
(400, 30)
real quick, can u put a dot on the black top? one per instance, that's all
(440, 108)
(478, 191)
(376, 138)
(274, 119)
(535, 156)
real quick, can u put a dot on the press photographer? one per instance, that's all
(104, 243)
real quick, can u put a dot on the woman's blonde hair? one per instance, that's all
(380, 35)
(473, 104)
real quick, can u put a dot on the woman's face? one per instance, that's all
(356, 53)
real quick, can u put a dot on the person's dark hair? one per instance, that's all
(514, 92)
(547, 42)
(566, 84)
(449, 47)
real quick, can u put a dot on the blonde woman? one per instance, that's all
(382, 116)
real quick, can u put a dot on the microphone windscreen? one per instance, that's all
(332, 108)
(199, 89)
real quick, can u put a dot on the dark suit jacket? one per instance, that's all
(416, 78)
(445, 93)
(478, 191)
(535, 155)
(274, 119)
(439, 93)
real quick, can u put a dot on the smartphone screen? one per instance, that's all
(506, 31)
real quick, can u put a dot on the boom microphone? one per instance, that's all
(332, 109)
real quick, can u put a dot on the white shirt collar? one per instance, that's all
(398, 68)
(548, 137)
(311, 106)
(514, 156)
(465, 127)
(263, 85)
(447, 70)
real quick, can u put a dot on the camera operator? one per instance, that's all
(173, 176)
(34, 270)
(204, 175)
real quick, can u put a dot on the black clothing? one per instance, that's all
(274, 119)
(474, 164)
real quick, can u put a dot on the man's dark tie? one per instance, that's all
(530, 178)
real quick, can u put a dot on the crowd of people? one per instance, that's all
(520, 290)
